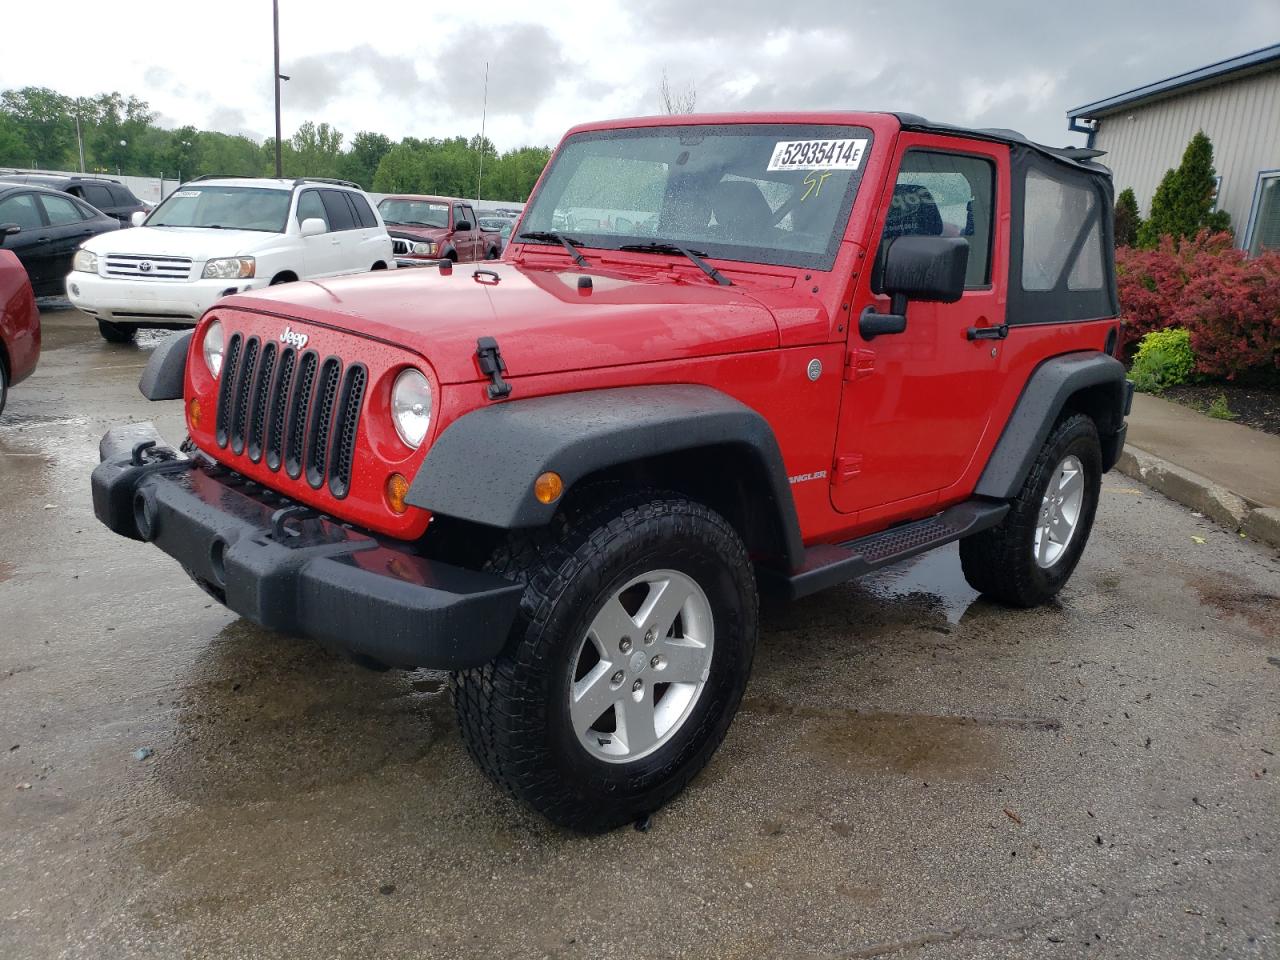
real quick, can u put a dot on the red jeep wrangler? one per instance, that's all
(793, 349)
(437, 228)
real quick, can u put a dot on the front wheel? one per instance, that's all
(115, 333)
(1030, 556)
(625, 665)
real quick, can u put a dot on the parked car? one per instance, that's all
(437, 228)
(566, 476)
(216, 236)
(102, 193)
(19, 325)
(43, 228)
(499, 225)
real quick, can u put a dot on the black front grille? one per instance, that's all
(291, 410)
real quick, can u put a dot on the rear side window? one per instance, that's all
(340, 215)
(63, 210)
(123, 196)
(1061, 233)
(364, 212)
(945, 195)
(309, 206)
(99, 197)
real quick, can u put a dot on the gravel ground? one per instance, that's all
(915, 772)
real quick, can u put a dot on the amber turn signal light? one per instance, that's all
(194, 411)
(548, 487)
(397, 490)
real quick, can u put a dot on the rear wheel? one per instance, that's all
(625, 665)
(1030, 556)
(115, 333)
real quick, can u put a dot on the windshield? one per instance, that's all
(761, 193)
(415, 213)
(228, 208)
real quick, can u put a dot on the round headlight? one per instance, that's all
(213, 348)
(411, 407)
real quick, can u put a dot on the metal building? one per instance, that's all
(1235, 102)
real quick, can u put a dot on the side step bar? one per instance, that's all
(826, 565)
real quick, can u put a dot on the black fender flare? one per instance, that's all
(162, 378)
(482, 466)
(1048, 390)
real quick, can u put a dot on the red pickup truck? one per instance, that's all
(437, 228)
(775, 352)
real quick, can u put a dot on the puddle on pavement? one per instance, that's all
(262, 716)
(924, 745)
(934, 578)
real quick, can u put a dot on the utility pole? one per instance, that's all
(275, 27)
(484, 110)
(79, 138)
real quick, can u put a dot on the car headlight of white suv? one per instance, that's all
(229, 268)
(85, 262)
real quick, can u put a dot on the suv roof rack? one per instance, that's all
(91, 176)
(342, 183)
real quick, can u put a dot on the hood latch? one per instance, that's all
(493, 366)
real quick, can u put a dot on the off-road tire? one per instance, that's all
(1000, 562)
(514, 712)
(114, 333)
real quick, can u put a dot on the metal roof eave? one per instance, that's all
(1251, 62)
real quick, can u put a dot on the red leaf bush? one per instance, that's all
(1230, 303)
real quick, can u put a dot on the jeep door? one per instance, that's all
(916, 405)
(322, 253)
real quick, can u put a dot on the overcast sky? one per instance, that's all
(417, 69)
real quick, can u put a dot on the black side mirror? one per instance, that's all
(8, 230)
(917, 268)
(462, 225)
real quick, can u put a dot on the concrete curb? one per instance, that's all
(1200, 493)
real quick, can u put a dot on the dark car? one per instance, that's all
(110, 196)
(19, 325)
(44, 228)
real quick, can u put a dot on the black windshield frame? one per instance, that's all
(822, 259)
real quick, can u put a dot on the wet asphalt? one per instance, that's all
(915, 772)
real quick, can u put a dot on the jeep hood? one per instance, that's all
(542, 320)
(198, 243)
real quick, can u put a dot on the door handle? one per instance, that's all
(42, 240)
(987, 333)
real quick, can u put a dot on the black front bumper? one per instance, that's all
(287, 568)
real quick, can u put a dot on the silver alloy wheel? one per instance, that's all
(641, 667)
(1059, 512)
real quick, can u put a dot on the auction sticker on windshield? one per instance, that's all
(186, 193)
(817, 154)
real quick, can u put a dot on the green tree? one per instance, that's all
(14, 151)
(1183, 203)
(314, 151)
(1128, 220)
(360, 163)
(46, 122)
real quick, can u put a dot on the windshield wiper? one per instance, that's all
(693, 256)
(550, 236)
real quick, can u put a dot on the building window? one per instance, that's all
(1264, 219)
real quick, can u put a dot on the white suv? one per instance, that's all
(217, 236)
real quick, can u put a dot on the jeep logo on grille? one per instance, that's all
(144, 266)
(293, 338)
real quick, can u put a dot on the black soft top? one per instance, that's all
(1082, 157)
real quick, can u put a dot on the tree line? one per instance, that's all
(119, 135)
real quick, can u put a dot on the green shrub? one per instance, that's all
(1219, 410)
(1164, 359)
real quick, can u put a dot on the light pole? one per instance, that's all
(123, 144)
(275, 27)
